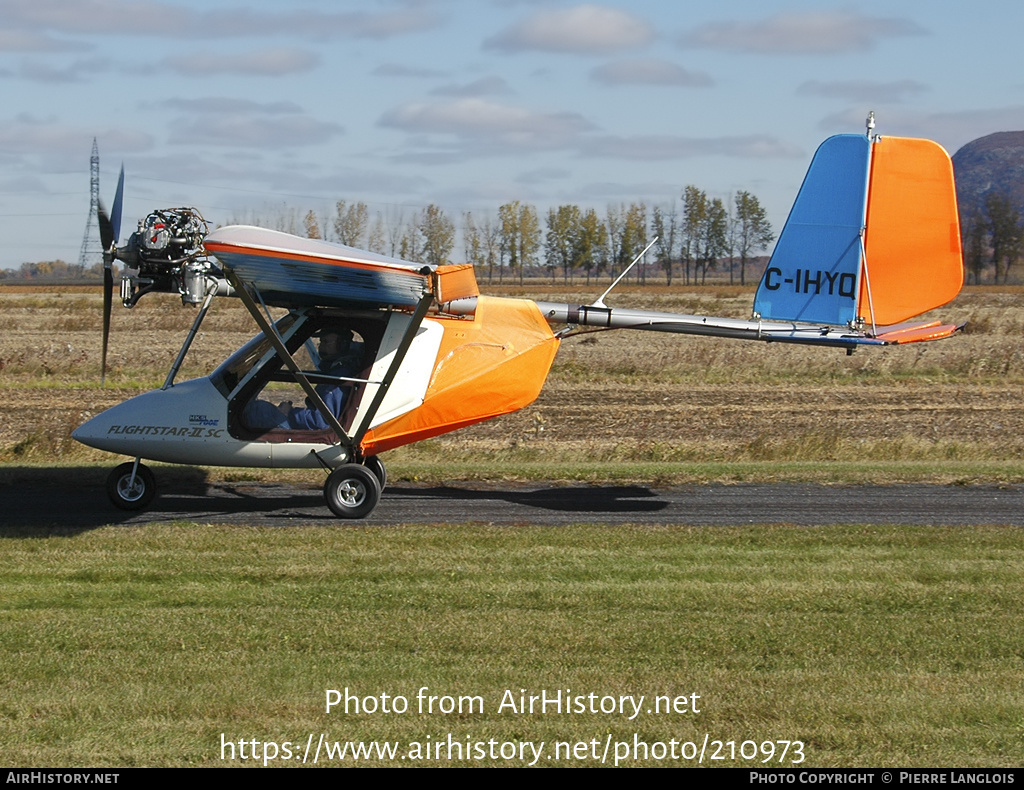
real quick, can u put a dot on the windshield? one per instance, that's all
(235, 368)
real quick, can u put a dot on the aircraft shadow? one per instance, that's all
(578, 499)
(64, 501)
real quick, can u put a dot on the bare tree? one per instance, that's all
(312, 226)
(563, 240)
(438, 234)
(753, 231)
(377, 240)
(593, 252)
(350, 222)
(1005, 233)
(974, 232)
(666, 233)
(695, 209)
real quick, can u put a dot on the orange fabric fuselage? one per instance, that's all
(491, 364)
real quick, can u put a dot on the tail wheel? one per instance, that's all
(352, 491)
(130, 487)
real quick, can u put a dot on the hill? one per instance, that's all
(990, 164)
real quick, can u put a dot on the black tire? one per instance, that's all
(352, 491)
(127, 494)
(375, 465)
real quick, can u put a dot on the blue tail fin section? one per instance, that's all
(814, 273)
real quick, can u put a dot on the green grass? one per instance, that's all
(873, 646)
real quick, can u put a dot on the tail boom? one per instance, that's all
(744, 329)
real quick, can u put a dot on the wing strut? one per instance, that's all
(403, 348)
(282, 351)
(211, 292)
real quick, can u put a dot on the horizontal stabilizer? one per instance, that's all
(916, 333)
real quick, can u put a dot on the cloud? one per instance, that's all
(221, 105)
(813, 33)
(669, 147)
(40, 71)
(258, 63)
(246, 124)
(485, 86)
(863, 91)
(242, 130)
(152, 18)
(488, 125)
(543, 175)
(581, 30)
(398, 70)
(47, 137)
(20, 40)
(650, 72)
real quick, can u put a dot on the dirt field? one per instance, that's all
(614, 395)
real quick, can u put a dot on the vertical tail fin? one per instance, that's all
(873, 235)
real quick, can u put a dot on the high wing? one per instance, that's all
(290, 271)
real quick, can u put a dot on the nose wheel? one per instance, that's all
(352, 491)
(131, 486)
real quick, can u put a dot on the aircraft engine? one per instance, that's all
(166, 255)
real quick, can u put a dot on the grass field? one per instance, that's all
(888, 646)
(872, 647)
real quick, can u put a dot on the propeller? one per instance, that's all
(110, 230)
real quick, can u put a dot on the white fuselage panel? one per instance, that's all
(187, 424)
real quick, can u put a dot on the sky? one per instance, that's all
(244, 108)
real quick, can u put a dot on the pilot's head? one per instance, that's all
(334, 343)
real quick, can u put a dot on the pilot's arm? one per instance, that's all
(310, 418)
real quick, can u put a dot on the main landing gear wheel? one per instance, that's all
(375, 465)
(352, 491)
(130, 492)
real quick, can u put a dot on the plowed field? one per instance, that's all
(611, 396)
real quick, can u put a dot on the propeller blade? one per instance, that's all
(115, 211)
(108, 287)
(107, 238)
(110, 232)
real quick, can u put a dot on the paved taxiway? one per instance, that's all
(85, 506)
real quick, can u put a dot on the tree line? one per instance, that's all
(53, 271)
(694, 238)
(992, 235)
(690, 240)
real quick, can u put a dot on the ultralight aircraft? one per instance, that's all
(872, 240)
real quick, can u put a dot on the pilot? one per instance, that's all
(340, 355)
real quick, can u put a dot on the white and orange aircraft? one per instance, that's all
(872, 241)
